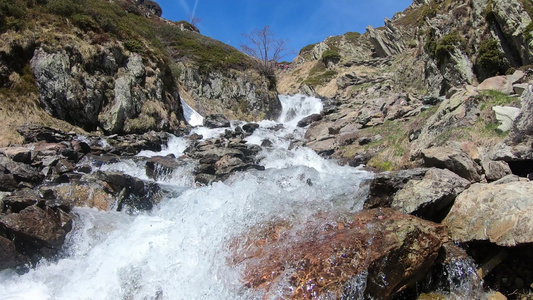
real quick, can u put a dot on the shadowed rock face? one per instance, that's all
(374, 253)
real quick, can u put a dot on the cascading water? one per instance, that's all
(179, 250)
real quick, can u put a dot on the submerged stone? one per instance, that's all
(375, 253)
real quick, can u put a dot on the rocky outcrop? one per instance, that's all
(371, 255)
(454, 160)
(234, 94)
(387, 41)
(109, 89)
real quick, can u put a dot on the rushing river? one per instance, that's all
(179, 250)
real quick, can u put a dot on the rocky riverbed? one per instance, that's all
(329, 248)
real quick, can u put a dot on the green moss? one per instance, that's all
(495, 98)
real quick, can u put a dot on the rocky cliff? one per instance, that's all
(117, 67)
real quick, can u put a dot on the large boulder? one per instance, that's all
(499, 213)
(431, 196)
(373, 254)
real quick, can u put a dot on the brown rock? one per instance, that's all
(9, 257)
(35, 231)
(320, 259)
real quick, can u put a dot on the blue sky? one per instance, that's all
(301, 22)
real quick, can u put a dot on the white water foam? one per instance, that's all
(179, 250)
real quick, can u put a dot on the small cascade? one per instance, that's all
(191, 116)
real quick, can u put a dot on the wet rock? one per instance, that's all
(9, 257)
(432, 196)
(133, 194)
(384, 186)
(36, 232)
(373, 254)
(161, 166)
(18, 201)
(87, 193)
(499, 213)
(309, 119)
(21, 172)
(219, 158)
(216, 121)
(250, 127)
(454, 160)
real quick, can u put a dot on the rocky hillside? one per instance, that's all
(117, 67)
(432, 46)
(384, 86)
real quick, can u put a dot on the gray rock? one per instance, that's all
(454, 160)
(506, 115)
(158, 167)
(430, 196)
(499, 213)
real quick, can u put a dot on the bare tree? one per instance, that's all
(262, 45)
(194, 20)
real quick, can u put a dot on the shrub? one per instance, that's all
(134, 46)
(330, 55)
(351, 36)
(490, 60)
(306, 49)
(441, 49)
(64, 8)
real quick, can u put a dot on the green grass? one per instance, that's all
(319, 75)
(494, 98)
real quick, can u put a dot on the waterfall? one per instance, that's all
(179, 250)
